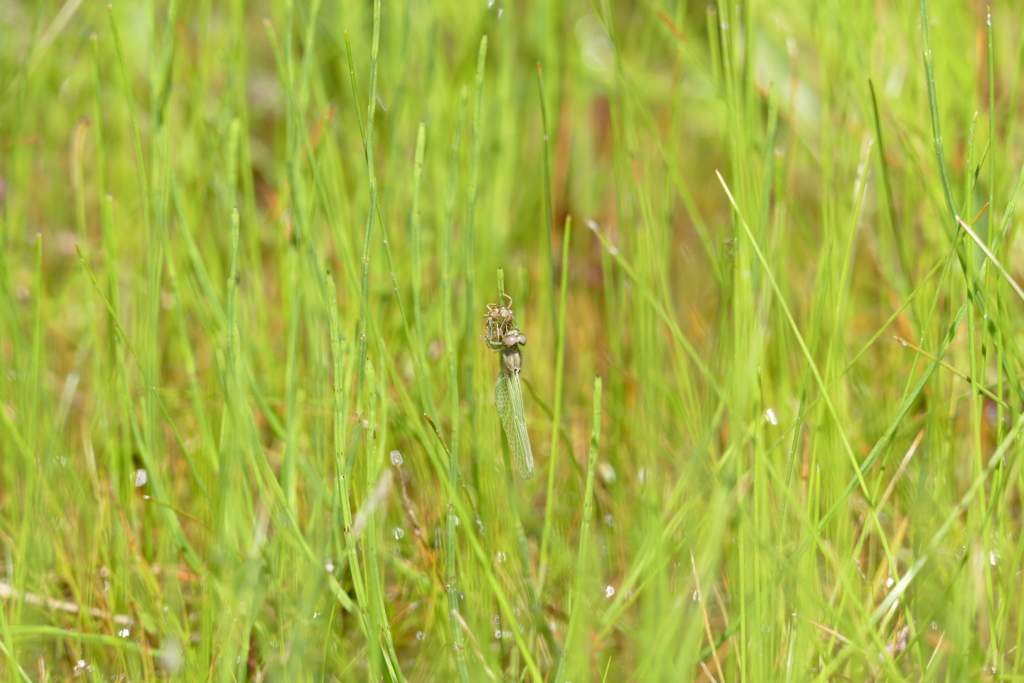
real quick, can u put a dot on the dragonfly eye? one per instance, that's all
(521, 339)
(512, 339)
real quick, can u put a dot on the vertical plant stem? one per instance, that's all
(471, 252)
(340, 467)
(451, 351)
(556, 420)
(417, 241)
(548, 201)
(575, 599)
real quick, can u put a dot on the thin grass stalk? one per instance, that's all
(575, 599)
(447, 296)
(470, 253)
(556, 419)
(415, 236)
(548, 201)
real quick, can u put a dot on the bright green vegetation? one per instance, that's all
(247, 426)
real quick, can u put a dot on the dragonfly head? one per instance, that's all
(514, 337)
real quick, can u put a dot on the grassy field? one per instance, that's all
(765, 255)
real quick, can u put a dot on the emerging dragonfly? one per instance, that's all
(502, 335)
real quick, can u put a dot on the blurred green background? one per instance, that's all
(247, 428)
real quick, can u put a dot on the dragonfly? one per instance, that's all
(503, 336)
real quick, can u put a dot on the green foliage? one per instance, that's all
(247, 428)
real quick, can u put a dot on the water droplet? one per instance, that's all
(497, 634)
(456, 520)
(124, 633)
(935, 626)
(889, 582)
(609, 591)
(396, 458)
(609, 520)
(607, 472)
(141, 478)
(770, 416)
(993, 557)
(766, 628)
(419, 635)
(399, 532)
(499, 556)
(329, 564)
(696, 596)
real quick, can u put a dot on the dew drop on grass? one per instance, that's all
(329, 564)
(770, 416)
(141, 478)
(499, 556)
(419, 635)
(497, 634)
(399, 532)
(124, 633)
(609, 591)
(396, 458)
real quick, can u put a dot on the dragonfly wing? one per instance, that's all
(508, 397)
